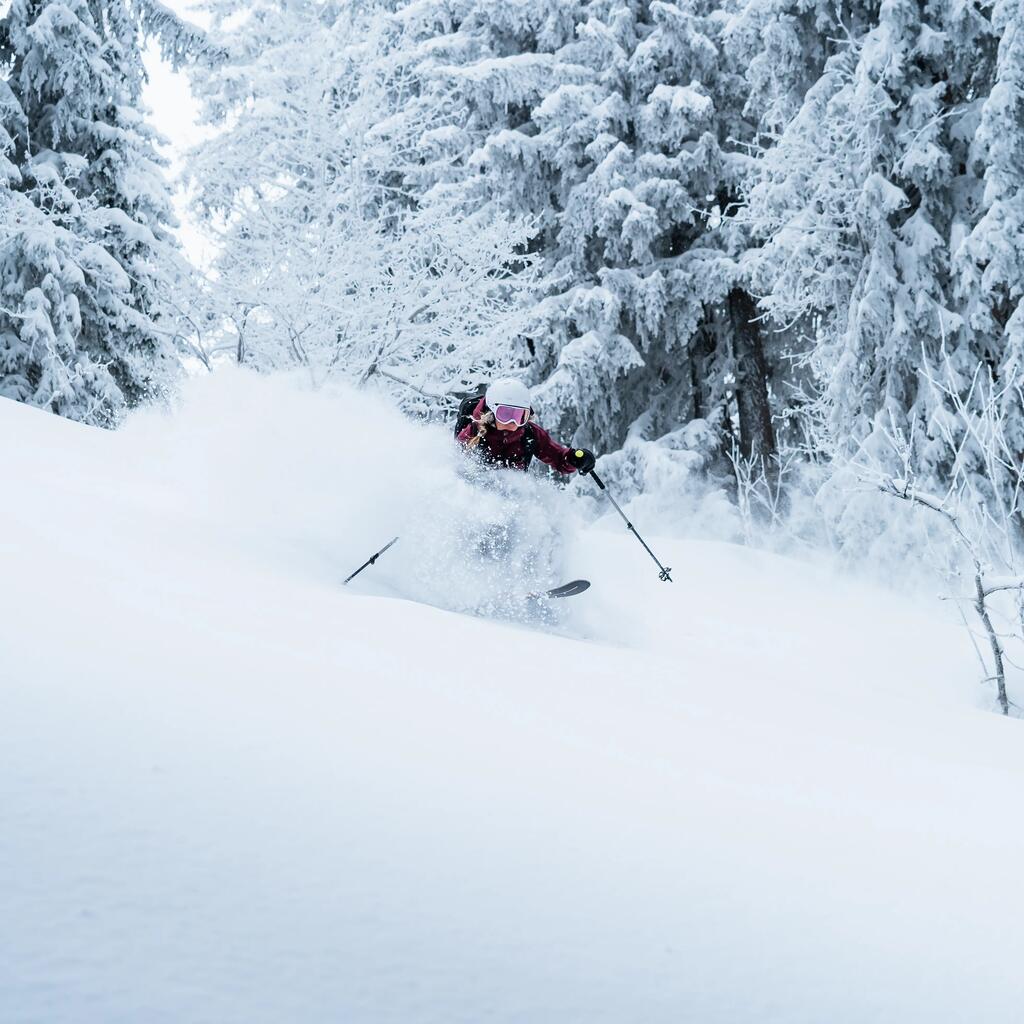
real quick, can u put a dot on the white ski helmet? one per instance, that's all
(507, 391)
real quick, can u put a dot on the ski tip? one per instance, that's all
(566, 589)
(578, 586)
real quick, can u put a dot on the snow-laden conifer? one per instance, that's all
(875, 199)
(615, 126)
(86, 215)
(989, 264)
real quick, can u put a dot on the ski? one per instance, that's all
(565, 590)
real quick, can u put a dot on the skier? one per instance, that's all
(501, 432)
(497, 426)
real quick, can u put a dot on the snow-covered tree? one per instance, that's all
(989, 262)
(888, 201)
(86, 211)
(614, 125)
(325, 260)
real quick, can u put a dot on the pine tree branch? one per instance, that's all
(180, 40)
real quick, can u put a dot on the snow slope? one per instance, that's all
(233, 791)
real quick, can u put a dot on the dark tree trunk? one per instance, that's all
(757, 437)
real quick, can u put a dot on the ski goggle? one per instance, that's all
(511, 414)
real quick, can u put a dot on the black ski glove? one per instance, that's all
(582, 459)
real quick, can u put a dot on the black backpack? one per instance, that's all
(465, 417)
(466, 407)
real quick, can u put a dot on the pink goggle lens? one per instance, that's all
(510, 414)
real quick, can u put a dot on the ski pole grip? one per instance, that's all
(597, 479)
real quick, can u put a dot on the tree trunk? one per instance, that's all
(757, 436)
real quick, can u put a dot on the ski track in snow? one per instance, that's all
(233, 791)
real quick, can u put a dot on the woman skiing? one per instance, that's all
(501, 432)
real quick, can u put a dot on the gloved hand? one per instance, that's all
(582, 459)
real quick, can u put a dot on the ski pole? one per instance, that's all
(371, 560)
(664, 574)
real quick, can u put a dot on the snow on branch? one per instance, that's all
(179, 38)
(997, 583)
(903, 488)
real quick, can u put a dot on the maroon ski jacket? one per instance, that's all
(506, 447)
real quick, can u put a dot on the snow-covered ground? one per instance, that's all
(233, 791)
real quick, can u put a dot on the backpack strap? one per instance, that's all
(529, 445)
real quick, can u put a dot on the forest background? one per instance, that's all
(761, 252)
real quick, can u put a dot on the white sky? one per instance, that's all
(176, 115)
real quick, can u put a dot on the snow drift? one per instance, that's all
(234, 791)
